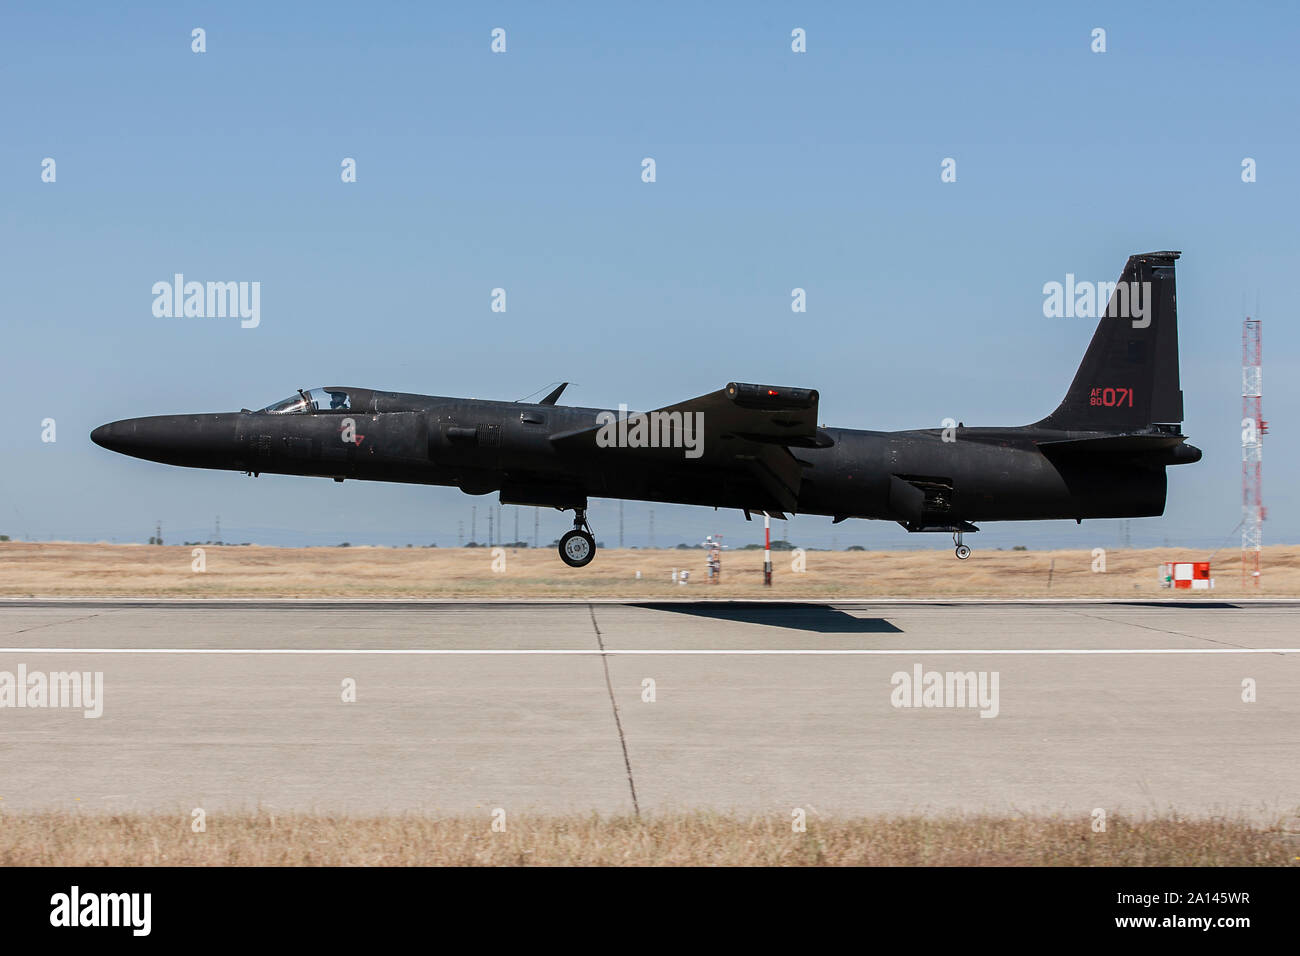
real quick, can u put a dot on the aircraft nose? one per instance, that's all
(115, 436)
(197, 440)
(132, 436)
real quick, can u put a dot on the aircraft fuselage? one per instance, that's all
(967, 474)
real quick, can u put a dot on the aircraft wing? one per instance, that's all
(745, 428)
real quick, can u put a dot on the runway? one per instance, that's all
(754, 707)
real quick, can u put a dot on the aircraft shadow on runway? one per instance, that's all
(798, 617)
(1195, 605)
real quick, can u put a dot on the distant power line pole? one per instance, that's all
(516, 541)
(536, 521)
(460, 534)
(489, 527)
(620, 525)
(652, 528)
(473, 523)
(218, 532)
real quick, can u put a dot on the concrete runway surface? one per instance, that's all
(1111, 726)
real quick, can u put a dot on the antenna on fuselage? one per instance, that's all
(550, 399)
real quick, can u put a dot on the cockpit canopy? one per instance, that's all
(315, 400)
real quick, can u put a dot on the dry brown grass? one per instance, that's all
(690, 839)
(86, 570)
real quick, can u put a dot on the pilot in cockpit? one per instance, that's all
(318, 399)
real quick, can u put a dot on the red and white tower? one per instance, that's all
(1253, 430)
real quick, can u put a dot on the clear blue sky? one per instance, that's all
(523, 171)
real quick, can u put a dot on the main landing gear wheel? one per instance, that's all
(962, 551)
(578, 547)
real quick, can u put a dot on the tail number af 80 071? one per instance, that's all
(1111, 397)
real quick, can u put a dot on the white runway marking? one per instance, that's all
(830, 652)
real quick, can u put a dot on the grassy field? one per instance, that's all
(695, 839)
(83, 570)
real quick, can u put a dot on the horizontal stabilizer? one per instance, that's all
(1158, 448)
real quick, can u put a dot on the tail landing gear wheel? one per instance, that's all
(577, 548)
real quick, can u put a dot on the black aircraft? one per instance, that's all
(1101, 454)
